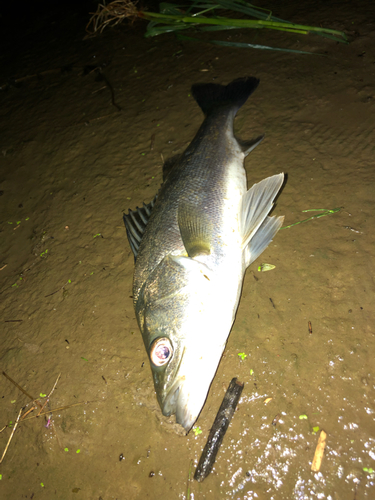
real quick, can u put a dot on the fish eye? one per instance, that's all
(161, 351)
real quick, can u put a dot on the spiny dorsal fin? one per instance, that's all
(168, 165)
(135, 224)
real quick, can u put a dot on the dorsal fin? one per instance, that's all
(168, 165)
(135, 223)
(248, 146)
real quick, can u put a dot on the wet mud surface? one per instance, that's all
(71, 163)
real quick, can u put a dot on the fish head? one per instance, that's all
(181, 329)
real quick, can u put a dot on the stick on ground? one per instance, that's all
(218, 430)
(319, 452)
(19, 387)
(10, 437)
(49, 395)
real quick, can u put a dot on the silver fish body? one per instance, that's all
(192, 248)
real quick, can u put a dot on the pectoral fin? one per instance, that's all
(262, 238)
(196, 230)
(258, 229)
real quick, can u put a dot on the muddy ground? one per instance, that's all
(71, 163)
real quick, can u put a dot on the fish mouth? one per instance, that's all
(186, 395)
(169, 404)
(177, 402)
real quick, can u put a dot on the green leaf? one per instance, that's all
(266, 267)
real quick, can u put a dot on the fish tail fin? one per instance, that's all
(210, 96)
(257, 228)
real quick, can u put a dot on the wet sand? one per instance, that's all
(71, 163)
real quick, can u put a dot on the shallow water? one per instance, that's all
(71, 163)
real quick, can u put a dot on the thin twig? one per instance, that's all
(53, 293)
(54, 385)
(42, 408)
(63, 408)
(152, 142)
(55, 432)
(21, 388)
(188, 482)
(49, 395)
(28, 411)
(11, 436)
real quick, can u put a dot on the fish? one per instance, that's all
(192, 245)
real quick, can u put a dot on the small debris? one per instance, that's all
(276, 419)
(265, 267)
(319, 452)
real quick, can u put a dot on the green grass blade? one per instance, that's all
(243, 23)
(326, 211)
(154, 29)
(249, 10)
(261, 47)
(244, 46)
